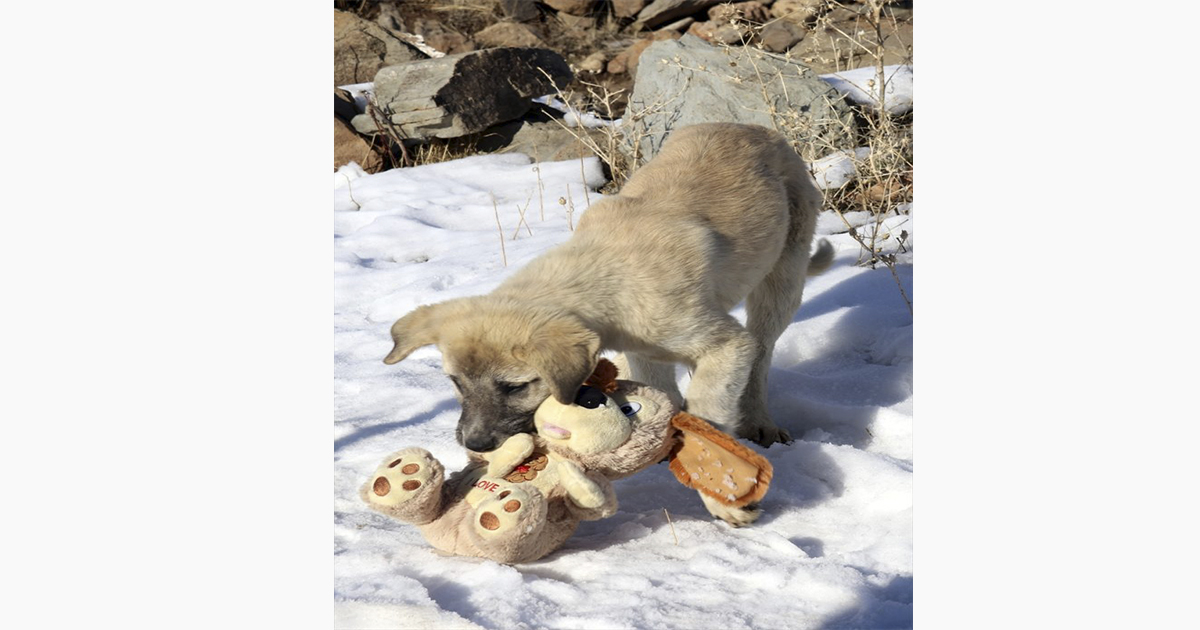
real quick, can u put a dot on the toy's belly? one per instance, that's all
(481, 486)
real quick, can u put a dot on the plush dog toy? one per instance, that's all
(523, 500)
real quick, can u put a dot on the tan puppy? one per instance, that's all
(724, 213)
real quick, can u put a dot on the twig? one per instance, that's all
(583, 177)
(672, 526)
(541, 193)
(499, 229)
(350, 191)
(890, 261)
(571, 209)
(521, 219)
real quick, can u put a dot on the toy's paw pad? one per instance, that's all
(512, 509)
(399, 479)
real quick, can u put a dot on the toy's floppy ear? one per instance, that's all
(713, 462)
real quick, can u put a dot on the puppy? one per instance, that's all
(724, 213)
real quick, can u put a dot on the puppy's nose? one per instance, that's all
(480, 444)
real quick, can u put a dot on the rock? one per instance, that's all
(361, 48)
(390, 16)
(688, 81)
(724, 32)
(679, 25)
(800, 11)
(594, 63)
(343, 105)
(826, 48)
(351, 147)
(703, 30)
(441, 38)
(541, 138)
(627, 8)
(663, 11)
(577, 22)
(520, 10)
(573, 7)
(508, 34)
(780, 35)
(462, 94)
(627, 60)
(746, 11)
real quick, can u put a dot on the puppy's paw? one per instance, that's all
(737, 517)
(406, 477)
(513, 511)
(764, 435)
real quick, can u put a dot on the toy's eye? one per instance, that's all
(630, 408)
(590, 398)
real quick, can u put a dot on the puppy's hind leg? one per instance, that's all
(770, 308)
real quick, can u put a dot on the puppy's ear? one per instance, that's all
(564, 353)
(418, 328)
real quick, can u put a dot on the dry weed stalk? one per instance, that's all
(350, 191)
(521, 217)
(500, 230)
(541, 186)
(628, 132)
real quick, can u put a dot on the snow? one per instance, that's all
(838, 168)
(573, 117)
(834, 546)
(859, 86)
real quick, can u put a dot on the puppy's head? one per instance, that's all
(504, 359)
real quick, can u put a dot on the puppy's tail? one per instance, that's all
(822, 260)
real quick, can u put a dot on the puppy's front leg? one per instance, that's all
(722, 370)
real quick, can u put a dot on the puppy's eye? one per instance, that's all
(511, 388)
(590, 398)
(630, 408)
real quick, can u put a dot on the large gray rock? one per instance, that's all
(687, 81)
(457, 95)
(361, 48)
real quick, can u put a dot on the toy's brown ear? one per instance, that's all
(714, 463)
(604, 377)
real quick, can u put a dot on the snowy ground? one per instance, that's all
(834, 548)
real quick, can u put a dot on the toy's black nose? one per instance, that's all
(590, 398)
(480, 444)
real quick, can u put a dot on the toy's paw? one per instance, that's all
(512, 511)
(404, 477)
(583, 491)
(735, 516)
(511, 453)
